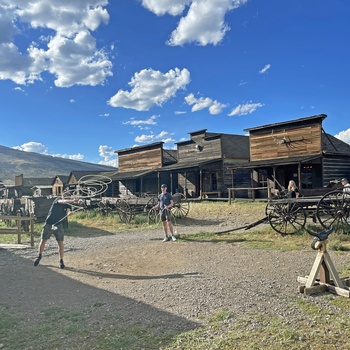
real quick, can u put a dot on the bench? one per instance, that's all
(17, 230)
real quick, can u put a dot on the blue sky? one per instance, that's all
(81, 79)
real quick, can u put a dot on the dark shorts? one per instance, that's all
(49, 230)
(165, 215)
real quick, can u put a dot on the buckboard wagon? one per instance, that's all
(128, 207)
(289, 215)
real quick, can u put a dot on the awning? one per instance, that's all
(267, 163)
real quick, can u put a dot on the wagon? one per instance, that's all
(128, 207)
(289, 215)
(180, 209)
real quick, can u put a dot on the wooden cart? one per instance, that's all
(128, 207)
(289, 215)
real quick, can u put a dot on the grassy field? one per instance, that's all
(316, 327)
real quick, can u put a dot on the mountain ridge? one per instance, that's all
(35, 165)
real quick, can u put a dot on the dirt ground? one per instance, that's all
(143, 280)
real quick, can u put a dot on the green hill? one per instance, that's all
(14, 162)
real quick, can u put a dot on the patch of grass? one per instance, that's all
(311, 330)
(63, 329)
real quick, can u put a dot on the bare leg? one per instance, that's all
(42, 246)
(61, 249)
(41, 250)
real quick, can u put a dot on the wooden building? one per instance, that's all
(198, 168)
(26, 186)
(298, 150)
(203, 162)
(137, 166)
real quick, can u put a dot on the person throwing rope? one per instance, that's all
(60, 209)
(165, 202)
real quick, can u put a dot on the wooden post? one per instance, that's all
(31, 230)
(18, 223)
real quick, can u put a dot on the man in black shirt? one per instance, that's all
(59, 211)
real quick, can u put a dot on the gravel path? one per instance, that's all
(172, 284)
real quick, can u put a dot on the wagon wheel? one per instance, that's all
(270, 206)
(334, 209)
(124, 211)
(181, 206)
(151, 203)
(287, 218)
(153, 216)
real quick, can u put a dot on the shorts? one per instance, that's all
(48, 231)
(165, 215)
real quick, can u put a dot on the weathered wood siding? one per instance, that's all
(200, 150)
(140, 160)
(284, 142)
(335, 168)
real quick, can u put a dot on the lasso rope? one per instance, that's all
(88, 186)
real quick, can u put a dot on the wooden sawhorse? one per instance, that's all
(324, 267)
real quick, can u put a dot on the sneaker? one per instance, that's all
(62, 266)
(173, 238)
(37, 261)
(166, 239)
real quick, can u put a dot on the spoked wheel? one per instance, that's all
(124, 211)
(270, 206)
(288, 218)
(334, 209)
(151, 203)
(153, 217)
(181, 206)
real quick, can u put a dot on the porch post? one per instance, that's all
(200, 183)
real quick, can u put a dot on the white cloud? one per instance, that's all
(104, 115)
(151, 88)
(144, 138)
(204, 22)
(32, 146)
(214, 107)
(38, 147)
(265, 69)
(72, 100)
(163, 136)
(77, 156)
(245, 109)
(172, 7)
(179, 112)
(109, 157)
(344, 136)
(69, 51)
(141, 123)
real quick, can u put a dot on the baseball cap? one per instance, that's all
(344, 179)
(164, 185)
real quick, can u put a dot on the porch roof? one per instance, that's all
(186, 165)
(131, 175)
(275, 162)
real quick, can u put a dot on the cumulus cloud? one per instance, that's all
(144, 138)
(163, 136)
(67, 50)
(151, 88)
(198, 104)
(265, 69)
(245, 109)
(38, 147)
(344, 136)
(204, 22)
(109, 157)
(142, 124)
